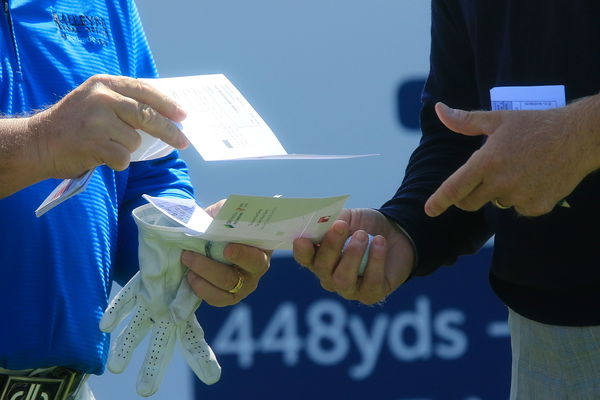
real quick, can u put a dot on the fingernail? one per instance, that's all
(181, 111)
(378, 242)
(183, 142)
(231, 253)
(186, 258)
(339, 229)
(430, 211)
(360, 236)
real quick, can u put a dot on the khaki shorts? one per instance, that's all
(553, 362)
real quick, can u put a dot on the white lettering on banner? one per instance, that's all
(322, 329)
(420, 322)
(235, 336)
(281, 334)
(369, 347)
(456, 341)
(411, 335)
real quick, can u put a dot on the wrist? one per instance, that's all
(39, 155)
(584, 122)
(19, 163)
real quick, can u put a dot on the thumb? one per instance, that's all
(470, 123)
(214, 209)
(121, 305)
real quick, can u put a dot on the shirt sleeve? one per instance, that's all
(163, 177)
(439, 241)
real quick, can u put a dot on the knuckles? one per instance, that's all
(231, 277)
(371, 300)
(255, 260)
(103, 79)
(343, 283)
(146, 114)
(136, 141)
(468, 205)
(451, 191)
(326, 285)
(121, 162)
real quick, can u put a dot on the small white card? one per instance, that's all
(266, 222)
(65, 190)
(183, 211)
(527, 97)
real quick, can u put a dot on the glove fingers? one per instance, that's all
(121, 305)
(185, 302)
(157, 359)
(128, 340)
(197, 352)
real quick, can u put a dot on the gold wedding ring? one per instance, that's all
(500, 205)
(238, 285)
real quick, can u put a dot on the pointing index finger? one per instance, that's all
(454, 189)
(146, 93)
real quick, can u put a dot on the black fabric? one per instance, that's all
(478, 45)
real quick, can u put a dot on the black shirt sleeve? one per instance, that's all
(452, 80)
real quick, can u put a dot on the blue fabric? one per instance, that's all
(57, 270)
(544, 268)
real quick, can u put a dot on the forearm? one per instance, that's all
(584, 121)
(20, 164)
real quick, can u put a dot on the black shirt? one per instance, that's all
(546, 268)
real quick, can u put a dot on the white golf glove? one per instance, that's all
(165, 304)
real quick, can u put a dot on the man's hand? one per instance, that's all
(96, 124)
(531, 160)
(390, 262)
(214, 282)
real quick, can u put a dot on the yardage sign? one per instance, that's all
(441, 337)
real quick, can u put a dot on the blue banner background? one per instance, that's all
(439, 337)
